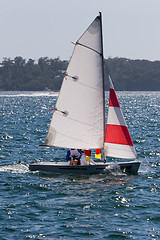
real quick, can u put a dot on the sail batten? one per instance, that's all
(89, 48)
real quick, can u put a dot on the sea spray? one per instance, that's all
(114, 169)
(19, 167)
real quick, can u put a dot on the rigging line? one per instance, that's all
(107, 69)
(88, 48)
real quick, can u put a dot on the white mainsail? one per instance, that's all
(78, 119)
(118, 142)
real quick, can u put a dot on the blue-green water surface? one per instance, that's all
(108, 206)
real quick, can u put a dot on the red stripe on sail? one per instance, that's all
(113, 101)
(118, 134)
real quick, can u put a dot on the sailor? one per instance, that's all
(73, 155)
(83, 159)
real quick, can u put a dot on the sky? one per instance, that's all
(46, 28)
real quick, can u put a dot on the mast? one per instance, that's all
(100, 16)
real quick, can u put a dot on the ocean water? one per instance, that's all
(106, 206)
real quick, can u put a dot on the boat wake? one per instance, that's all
(15, 168)
(114, 169)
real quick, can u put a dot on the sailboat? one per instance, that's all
(78, 119)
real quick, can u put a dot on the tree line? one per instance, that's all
(19, 74)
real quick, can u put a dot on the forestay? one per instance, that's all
(78, 119)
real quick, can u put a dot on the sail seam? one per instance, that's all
(77, 82)
(89, 48)
(58, 111)
(84, 142)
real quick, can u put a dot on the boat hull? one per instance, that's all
(63, 168)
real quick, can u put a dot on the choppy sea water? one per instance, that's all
(108, 206)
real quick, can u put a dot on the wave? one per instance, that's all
(15, 168)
